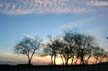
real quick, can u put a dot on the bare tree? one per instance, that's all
(51, 49)
(99, 54)
(28, 46)
(69, 51)
(79, 44)
(62, 48)
(54, 48)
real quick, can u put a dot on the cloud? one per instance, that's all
(29, 36)
(79, 24)
(18, 7)
(98, 3)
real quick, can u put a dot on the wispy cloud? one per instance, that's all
(79, 24)
(17, 7)
(98, 3)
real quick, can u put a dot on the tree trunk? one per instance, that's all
(81, 57)
(29, 61)
(97, 58)
(54, 59)
(76, 61)
(72, 60)
(87, 59)
(62, 59)
(66, 61)
(82, 60)
(51, 60)
(30, 58)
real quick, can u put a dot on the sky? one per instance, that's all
(19, 18)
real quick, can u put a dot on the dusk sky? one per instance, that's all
(19, 18)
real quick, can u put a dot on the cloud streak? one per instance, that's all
(17, 7)
(98, 3)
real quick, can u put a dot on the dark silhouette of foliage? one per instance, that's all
(80, 44)
(70, 49)
(99, 54)
(72, 46)
(28, 46)
(53, 48)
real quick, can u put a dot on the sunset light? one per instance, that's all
(53, 32)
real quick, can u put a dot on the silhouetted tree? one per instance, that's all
(74, 46)
(54, 48)
(28, 46)
(105, 55)
(60, 44)
(69, 46)
(51, 49)
(99, 54)
(79, 44)
(84, 45)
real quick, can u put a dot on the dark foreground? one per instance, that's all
(98, 67)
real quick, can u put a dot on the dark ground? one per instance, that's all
(21, 67)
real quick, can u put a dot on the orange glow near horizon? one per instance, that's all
(46, 60)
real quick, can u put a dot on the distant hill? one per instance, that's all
(8, 62)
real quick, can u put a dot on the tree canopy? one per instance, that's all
(28, 46)
(71, 45)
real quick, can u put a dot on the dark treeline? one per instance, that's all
(71, 45)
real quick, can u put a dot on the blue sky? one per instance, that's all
(43, 17)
